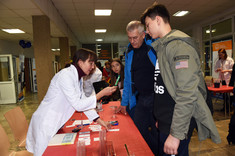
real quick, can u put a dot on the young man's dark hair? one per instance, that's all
(156, 10)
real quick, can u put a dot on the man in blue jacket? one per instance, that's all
(138, 91)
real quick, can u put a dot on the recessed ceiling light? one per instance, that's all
(181, 13)
(103, 12)
(213, 30)
(13, 31)
(100, 30)
(99, 40)
(55, 49)
(207, 31)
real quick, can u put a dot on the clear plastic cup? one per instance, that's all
(81, 148)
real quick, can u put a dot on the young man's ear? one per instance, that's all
(158, 19)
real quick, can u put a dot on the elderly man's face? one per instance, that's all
(135, 38)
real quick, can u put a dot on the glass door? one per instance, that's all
(7, 84)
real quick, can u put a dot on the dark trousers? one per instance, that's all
(131, 112)
(182, 150)
(144, 121)
(227, 103)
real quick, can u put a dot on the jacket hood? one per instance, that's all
(177, 35)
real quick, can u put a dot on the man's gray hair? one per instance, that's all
(135, 25)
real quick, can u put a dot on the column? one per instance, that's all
(42, 53)
(73, 49)
(64, 51)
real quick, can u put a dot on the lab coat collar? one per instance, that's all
(80, 72)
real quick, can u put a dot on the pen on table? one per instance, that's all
(127, 150)
(83, 125)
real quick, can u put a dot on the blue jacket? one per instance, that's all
(128, 97)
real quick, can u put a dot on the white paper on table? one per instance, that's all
(78, 122)
(113, 130)
(86, 139)
(95, 128)
(62, 139)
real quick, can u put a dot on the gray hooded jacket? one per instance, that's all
(179, 63)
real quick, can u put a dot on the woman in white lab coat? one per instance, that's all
(64, 96)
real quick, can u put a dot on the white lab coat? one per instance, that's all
(64, 96)
(225, 65)
(88, 83)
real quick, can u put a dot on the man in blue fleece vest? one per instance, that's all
(138, 91)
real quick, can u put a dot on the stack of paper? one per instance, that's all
(62, 139)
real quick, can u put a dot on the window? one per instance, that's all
(221, 28)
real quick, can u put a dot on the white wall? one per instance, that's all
(7, 47)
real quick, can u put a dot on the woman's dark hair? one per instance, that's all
(222, 50)
(84, 54)
(98, 64)
(113, 75)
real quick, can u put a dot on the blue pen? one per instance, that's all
(83, 125)
(114, 123)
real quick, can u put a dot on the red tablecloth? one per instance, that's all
(226, 90)
(128, 134)
(222, 89)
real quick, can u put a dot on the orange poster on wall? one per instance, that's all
(227, 45)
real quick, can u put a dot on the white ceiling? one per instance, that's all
(78, 17)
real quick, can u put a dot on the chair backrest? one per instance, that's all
(18, 123)
(4, 142)
(209, 80)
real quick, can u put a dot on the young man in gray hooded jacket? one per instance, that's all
(180, 90)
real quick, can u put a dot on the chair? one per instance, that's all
(209, 80)
(18, 123)
(5, 144)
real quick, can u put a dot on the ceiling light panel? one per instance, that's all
(13, 31)
(99, 40)
(181, 13)
(103, 12)
(100, 30)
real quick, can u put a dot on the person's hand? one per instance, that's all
(106, 92)
(171, 145)
(156, 124)
(121, 109)
(219, 69)
(103, 123)
(109, 90)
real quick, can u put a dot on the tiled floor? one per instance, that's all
(196, 148)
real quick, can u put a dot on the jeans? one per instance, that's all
(144, 121)
(182, 150)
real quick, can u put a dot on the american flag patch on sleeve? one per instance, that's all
(181, 64)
